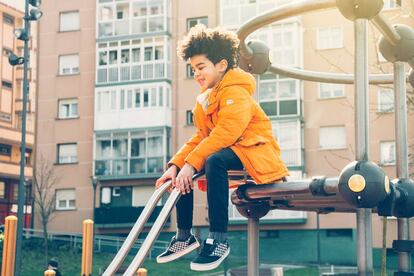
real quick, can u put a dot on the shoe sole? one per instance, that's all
(175, 256)
(209, 266)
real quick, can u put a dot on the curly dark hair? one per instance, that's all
(217, 44)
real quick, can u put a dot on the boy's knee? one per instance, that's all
(214, 160)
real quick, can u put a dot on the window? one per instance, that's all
(332, 137)
(127, 153)
(288, 134)
(67, 153)
(190, 72)
(69, 21)
(331, 90)
(279, 96)
(2, 189)
(283, 41)
(8, 19)
(65, 199)
(140, 196)
(7, 84)
(68, 108)
(7, 52)
(68, 64)
(191, 22)
(387, 152)
(385, 100)
(391, 4)
(329, 38)
(5, 150)
(116, 191)
(189, 118)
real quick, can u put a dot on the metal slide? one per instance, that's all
(139, 225)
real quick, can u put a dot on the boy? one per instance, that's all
(232, 132)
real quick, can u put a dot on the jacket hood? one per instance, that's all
(238, 77)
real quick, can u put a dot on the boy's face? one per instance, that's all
(207, 74)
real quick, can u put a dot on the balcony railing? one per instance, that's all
(123, 215)
(133, 26)
(132, 166)
(146, 71)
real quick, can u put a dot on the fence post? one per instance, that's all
(9, 246)
(141, 272)
(87, 247)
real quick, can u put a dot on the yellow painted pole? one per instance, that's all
(50, 272)
(9, 246)
(87, 247)
(141, 272)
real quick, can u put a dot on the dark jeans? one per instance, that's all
(216, 168)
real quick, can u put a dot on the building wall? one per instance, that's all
(52, 130)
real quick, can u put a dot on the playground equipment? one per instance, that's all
(362, 186)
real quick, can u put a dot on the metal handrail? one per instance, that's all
(155, 230)
(136, 230)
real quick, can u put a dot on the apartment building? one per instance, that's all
(115, 104)
(11, 15)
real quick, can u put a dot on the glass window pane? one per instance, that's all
(287, 89)
(288, 107)
(139, 8)
(155, 146)
(136, 54)
(105, 13)
(267, 91)
(120, 145)
(148, 53)
(269, 108)
(138, 147)
(124, 55)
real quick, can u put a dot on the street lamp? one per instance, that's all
(31, 14)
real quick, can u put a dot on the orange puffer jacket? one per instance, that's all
(228, 116)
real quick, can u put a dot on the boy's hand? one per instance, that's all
(184, 180)
(171, 173)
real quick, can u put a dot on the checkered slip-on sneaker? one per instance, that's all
(177, 249)
(211, 256)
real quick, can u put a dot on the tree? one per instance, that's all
(44, 180)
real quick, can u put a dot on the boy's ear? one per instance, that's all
(222, 65)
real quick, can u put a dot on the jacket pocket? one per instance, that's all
(261, 155)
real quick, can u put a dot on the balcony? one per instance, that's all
(112, 217)
(135, 26)
(140, 167)
(15, 137)
(13, 170)
(146, 71)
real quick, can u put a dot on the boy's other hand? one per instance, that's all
(171, 173)
(184, 180)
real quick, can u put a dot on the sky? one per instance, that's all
(18, 4)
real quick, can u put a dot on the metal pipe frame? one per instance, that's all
(361, 81)
(253, 247)
(400, 106)
(298, 8)
(364, 217)
(385, 28)
(153, 233)
(136, 230)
